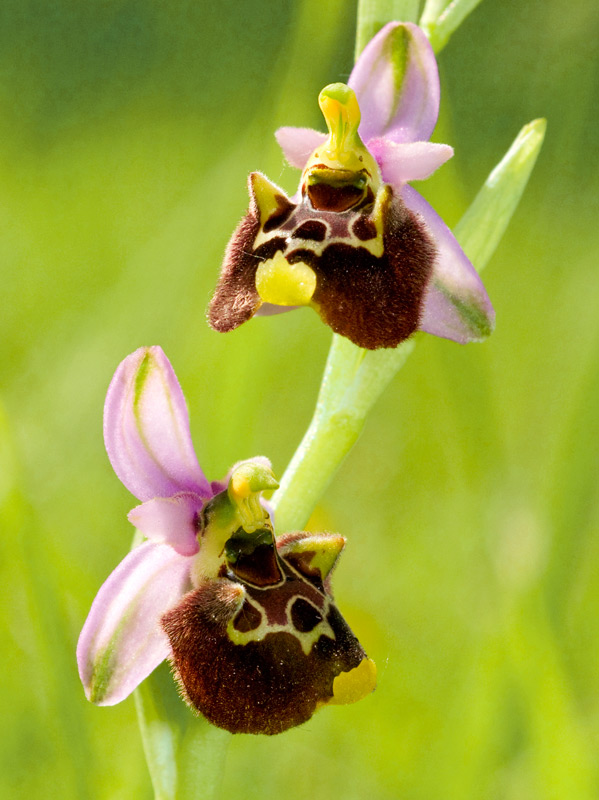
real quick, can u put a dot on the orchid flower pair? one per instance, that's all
(356, 242)
(248, 621)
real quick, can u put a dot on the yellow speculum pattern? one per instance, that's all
(307, 639)
(284, 284)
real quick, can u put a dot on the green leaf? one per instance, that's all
(484, 223)
(440, 19)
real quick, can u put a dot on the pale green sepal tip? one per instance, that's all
(325, 550)
(397, 47)
(480, 229)
(140, 379)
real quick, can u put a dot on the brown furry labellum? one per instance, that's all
(371, 256)
(258, 649)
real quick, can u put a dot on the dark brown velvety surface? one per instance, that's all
(377, 302)
(374, 301)
(263, 686)
(235, 299)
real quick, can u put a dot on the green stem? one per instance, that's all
(432, 11)
(160, 741)
(185, 753)
(201, 760)
(374, 14)
(327, 441)
(353, 381)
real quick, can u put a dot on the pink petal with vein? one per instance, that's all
(146, 429)
(396, 81)
(457, 306)
(122, 640)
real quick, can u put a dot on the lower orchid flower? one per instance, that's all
(357, 243)
(248, 621)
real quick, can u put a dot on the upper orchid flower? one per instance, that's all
(357, 243)
(248, 622)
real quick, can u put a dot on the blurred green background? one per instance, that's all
(127, 129)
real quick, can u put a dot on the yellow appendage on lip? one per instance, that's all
(349, 687)
(284, 284)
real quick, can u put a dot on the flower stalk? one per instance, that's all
(183, 752)
(353, 380)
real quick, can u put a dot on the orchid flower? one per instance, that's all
(357, 242)
(248, 621)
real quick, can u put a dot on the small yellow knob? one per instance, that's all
(349, 687)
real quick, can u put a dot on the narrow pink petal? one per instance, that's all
(456, 306)
(298, 144)
(122, 640)
(146, 429)
(412, 161)
(396, 81)
(172, 520)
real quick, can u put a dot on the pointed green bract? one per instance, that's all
(441, 19)
(482, 226)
